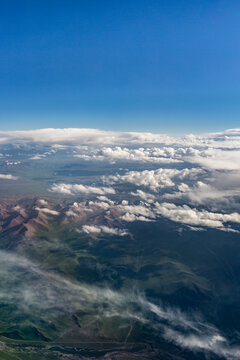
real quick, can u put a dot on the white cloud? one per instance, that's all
(154, 179)
(149, 198)
(122, 210)
(101, 204)
(133, 217)
(77, 209)
(99, 229)
(136, 212)
(76, 136)
(228, 139)
(143, 155)
(71, 189)
(49, 288)
(38, 157)
(106, 199)
(221, 187)
(216, 159)
(12, 163)
(213, 342)
(47, 211)
(192, 216)
(8, 177)
(42, 202)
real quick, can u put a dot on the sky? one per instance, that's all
(161, 66)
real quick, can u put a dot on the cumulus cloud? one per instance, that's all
(133, 217)
(147, 197)
(143, 155)
(101, 204)
(71, 189)
(136, 212)
(154, 179)
(121, 210)
(192, 216)
(77, 209)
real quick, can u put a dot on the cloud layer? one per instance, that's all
(190, 180)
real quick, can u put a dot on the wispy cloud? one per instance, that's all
(51, 295)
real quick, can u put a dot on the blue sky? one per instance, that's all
(161, 66)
